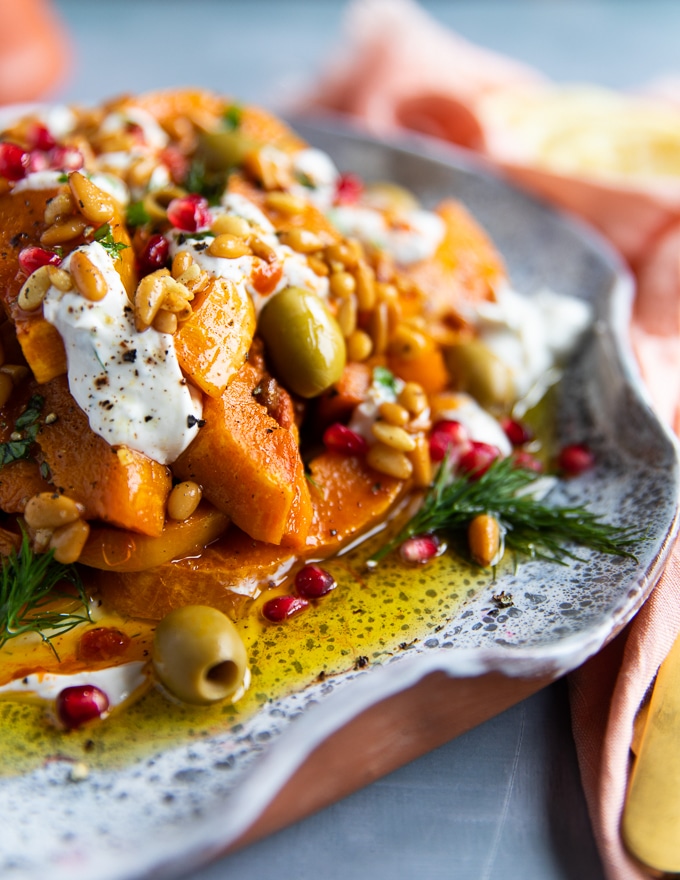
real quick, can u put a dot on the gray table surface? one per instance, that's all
(504, 800)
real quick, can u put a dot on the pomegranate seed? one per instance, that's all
(38, 161)
(478, 459)
(517, 433)
(575, 459)
(420, 549)
(348, 189)
(282, 607)
(41, 138)
(313, 582)
(155, 254)
(527, 461)
(79, 704)
(448, 437)
(66, 159)
(32, 258)
(189, 213)
(176, 163)
(13, 161)
(340, 438)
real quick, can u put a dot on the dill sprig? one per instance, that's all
(28, 588)
(532, 528)
(104, 235)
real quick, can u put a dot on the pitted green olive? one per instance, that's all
(304, 343)
(221, 150)
(475, 369)
(387, 196)
(199, 656)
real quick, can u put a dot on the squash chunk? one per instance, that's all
(117, 485)
(213, 343)
(247, 464)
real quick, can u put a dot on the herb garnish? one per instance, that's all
(28, 584)
(136, 214)
(209, 184)
(232, 117)
(532, 528)
(384, 378)
(28, 426)
(104, 236)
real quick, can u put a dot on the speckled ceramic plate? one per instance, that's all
(161, 810)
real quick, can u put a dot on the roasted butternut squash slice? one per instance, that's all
(117, 485)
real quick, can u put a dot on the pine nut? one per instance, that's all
(149, 297)
(180, 263)
(365, 278)
(284, 202)
(33, 290)
(231, 225)
(343, 253)
(347, 316)
(194, 279)
(380, 328)
(317, 265)
(63, 231)
(183, 500)
(484, 539)
(94, 204)
(87, 278)
(60, 278)
(230, 247)
(59, 206)
(68, 541)
(342, 284)
(139, 173)
(49, 510)
(359, 346)
(394, 414)
(176, 297)
(389, 461)
(422, 465)
(393, 436)
(301, 240)
(261, 249)
(6, 388)
(407, 343)
(413, 398)
(270, 166)
(165, 322)
(16, 372)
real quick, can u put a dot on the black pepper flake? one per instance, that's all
(200, 246)
(16, 240)
(181, 238)
(192, 420)
(147, 418)
(360, 662)
(101, 382)
(130, 356)
(333, 533)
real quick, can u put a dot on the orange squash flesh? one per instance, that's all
(119, 486)
(347, 498)
(247, 464)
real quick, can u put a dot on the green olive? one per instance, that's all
(199, 656)
(387, 196)
(304, 343)
(221, 150)
(476, 370)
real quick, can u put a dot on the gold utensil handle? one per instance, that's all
(651, 817)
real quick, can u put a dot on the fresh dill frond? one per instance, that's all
(29, 585)
(26, 425)
(531, 527)
(136, 214)
(104, 236)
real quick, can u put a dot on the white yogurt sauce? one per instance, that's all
(119, 683)
(129, 384)
(414, 236)
(152, 133)
(317, 169)
(39, 180)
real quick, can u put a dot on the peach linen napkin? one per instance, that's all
(401, 70)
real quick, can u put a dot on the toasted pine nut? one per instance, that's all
(301, 240)
(33, 290)
(407, 342)
(270, 166)
(347, 316)
(140, 171)
(49, 510)
(261, 249)
(149, 297)
(181, 262)
(231, 225)
(484, 539)
(389, 461)
(365, 278)
(183, 500)
(165, 322)
(176, 297)
(413, 398)
(230, 247)
(194, 279)
(16, 372)
(342, 252)
(342, 284)
(6, 388)
(60, 278)
(422, 464)
(87, 278)
(393, 436)
(95, 205)
(68, 541)
(359, 346)
(285, 202)
(380, 328)
(63, 231)
(317, 265)
(59, 206)
(394, 414)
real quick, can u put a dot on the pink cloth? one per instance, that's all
(402, 70)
